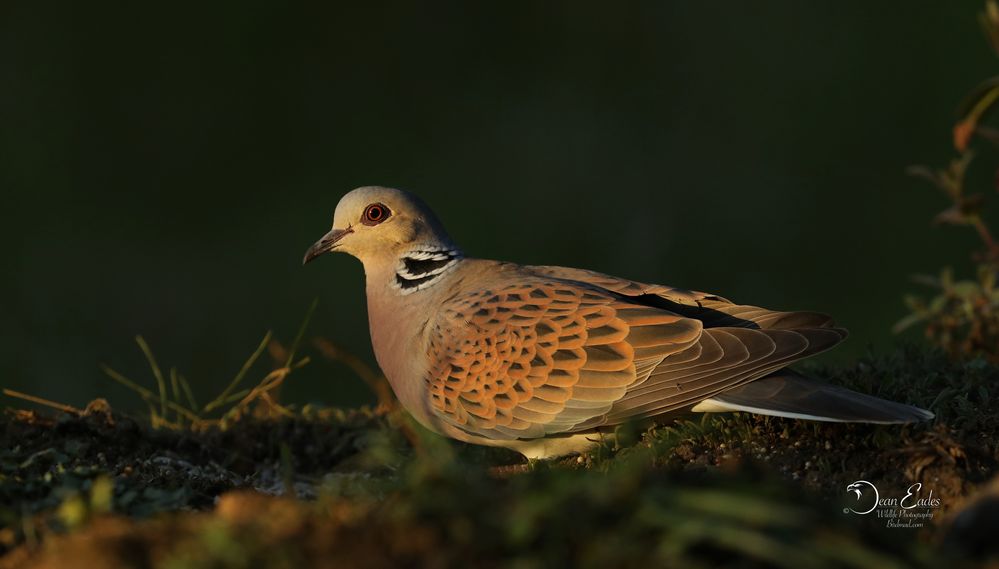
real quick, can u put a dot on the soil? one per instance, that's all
(369, 489)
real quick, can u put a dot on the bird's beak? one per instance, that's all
(326, 244)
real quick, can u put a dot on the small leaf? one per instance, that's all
(72, 512)
(962, 134)
(907, 323)
(974, 107)
(101, 494)
(949, 216)
(965, 289)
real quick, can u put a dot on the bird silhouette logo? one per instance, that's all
(860, 489)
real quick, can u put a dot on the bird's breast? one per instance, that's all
(397, 337)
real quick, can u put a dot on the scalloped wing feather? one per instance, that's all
(542, 356)
(567, 350)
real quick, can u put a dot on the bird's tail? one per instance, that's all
(789, 394)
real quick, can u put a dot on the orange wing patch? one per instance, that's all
(538, 358)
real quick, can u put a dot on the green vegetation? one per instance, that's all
(368, 488)
(963, 316)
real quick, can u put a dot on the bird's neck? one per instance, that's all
(403, 296)
(423, 267)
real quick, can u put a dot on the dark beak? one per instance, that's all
(326, 244)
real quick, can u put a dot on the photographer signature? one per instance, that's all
(911, 500)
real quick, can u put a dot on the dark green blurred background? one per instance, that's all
(163, 168)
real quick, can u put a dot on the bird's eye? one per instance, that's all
(375, 214)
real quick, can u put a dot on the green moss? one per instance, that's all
(729, 490)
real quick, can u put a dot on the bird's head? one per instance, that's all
(374, 223)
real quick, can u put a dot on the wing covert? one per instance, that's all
(543, 356)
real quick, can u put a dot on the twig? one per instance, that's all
(42, 401)
(270, 381)
(274, 405)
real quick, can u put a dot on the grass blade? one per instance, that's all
(271, 381)
(175, 387)
(156, 373)
(41, 401)
(142, 391)
(147, 395)
(301, 332)
(191, 401)
(236, 396)
(239, 376)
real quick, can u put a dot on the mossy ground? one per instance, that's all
(363, 488)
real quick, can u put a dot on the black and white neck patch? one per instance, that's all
(420, 268)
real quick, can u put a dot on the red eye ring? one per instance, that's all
(375, 214)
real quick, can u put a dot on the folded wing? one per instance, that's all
(565, 350)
